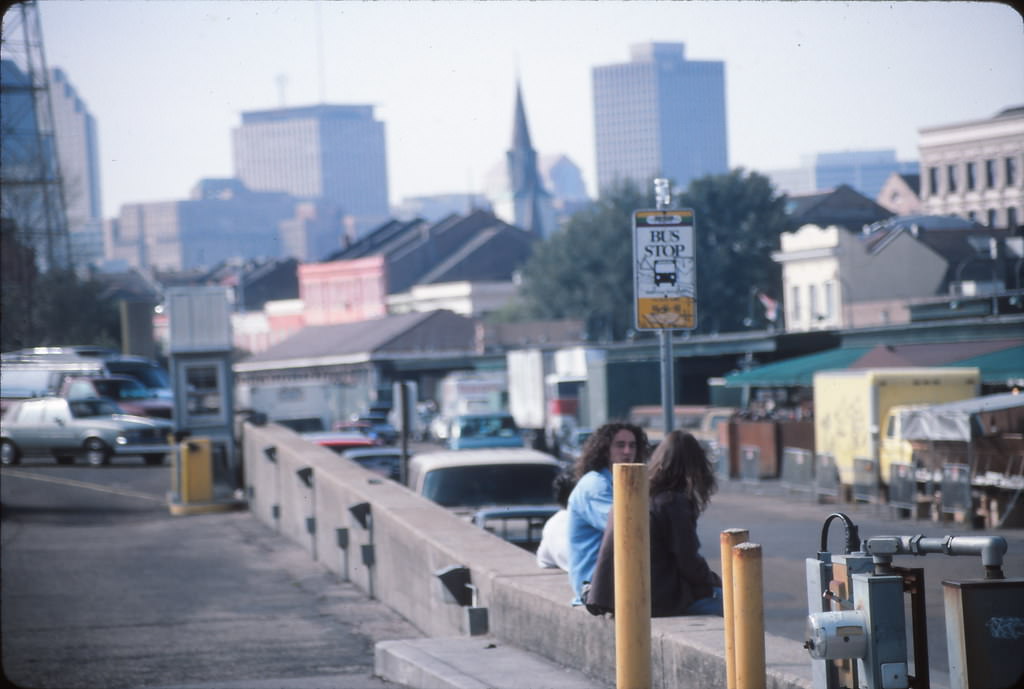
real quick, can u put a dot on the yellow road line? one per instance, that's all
(16, 473)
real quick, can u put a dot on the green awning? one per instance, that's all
(1004, 367)
(798, 371)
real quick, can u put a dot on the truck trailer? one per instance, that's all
(850, 407)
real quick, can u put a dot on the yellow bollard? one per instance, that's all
(729, 538)
(632, 577)
(748, 606)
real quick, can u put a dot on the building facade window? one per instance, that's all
(812, 303)
(990, 174)
(1011, 218)
(971, 182)
(972, 215)
(951, 178)
(1011, 171)
(830, 299)
(794, 304)
(933, 181)
(991, 217)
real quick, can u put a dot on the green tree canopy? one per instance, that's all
(586, 270)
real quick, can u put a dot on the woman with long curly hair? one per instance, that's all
(591, 499)
(681, 485)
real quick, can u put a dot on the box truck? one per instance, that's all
(850, 407)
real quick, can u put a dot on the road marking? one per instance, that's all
(16, 473)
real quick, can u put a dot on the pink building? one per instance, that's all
(343, 291)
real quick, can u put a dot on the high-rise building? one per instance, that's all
(865, 171)
(78, 151)
(222, 220)
(659, 115)
(333, 153)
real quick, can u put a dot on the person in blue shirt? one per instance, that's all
(591, 499)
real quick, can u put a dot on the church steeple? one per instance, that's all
(533, 209)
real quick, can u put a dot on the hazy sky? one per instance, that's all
(167, 81)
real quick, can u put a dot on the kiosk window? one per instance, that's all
(203, 390)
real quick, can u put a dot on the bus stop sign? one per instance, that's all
(664, 270)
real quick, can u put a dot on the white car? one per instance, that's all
(507, 491)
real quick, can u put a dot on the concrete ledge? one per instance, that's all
(406, 539)
(482, 663)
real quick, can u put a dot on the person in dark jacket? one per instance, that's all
(681, 485)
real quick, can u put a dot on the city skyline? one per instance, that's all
(800, 77)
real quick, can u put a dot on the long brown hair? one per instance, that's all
(597, 450)
(680, 464)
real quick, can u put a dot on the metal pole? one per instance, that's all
(403, 400)
(748, 605)
(663, 198)
(730, 538)
(632, 577)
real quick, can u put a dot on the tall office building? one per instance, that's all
(659, 115)
(865, 171)
(333, 153)
(78, 151)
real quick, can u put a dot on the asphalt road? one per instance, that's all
(101, 587)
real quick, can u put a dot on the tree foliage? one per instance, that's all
(52, 308)
(738, 222)
(585, 271)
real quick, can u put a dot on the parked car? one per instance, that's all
(338, 441)
(146, 371)
(95, 429)
(127, 392)
(382, 433)
(469, 431)
(386, 461)
(21, 380)
(507, 491)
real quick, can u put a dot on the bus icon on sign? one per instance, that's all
(664, 273)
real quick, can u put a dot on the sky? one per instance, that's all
(167, 81)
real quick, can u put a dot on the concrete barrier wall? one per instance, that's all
(407, 539)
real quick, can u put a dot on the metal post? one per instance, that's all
(632, 577)
(730, 538)
(748, 605)
(663, 199)
(403, 400)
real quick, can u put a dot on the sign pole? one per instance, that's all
(663, 197)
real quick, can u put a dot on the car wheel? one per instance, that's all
(97, 452)
(65, 459)
(153, 459)
(9, 453)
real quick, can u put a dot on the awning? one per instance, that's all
(1004, 366)
(798, 371)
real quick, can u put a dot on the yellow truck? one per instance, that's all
(851, 406)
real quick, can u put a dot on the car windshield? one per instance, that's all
(490, 484)
(150, 375)
(122, 389)
(503, 426)
(85, 408)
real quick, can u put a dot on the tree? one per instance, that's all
(586, 270)
(51, 308)
(739, 219)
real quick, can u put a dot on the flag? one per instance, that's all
(771, 307)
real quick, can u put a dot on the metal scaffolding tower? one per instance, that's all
(31, 190)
